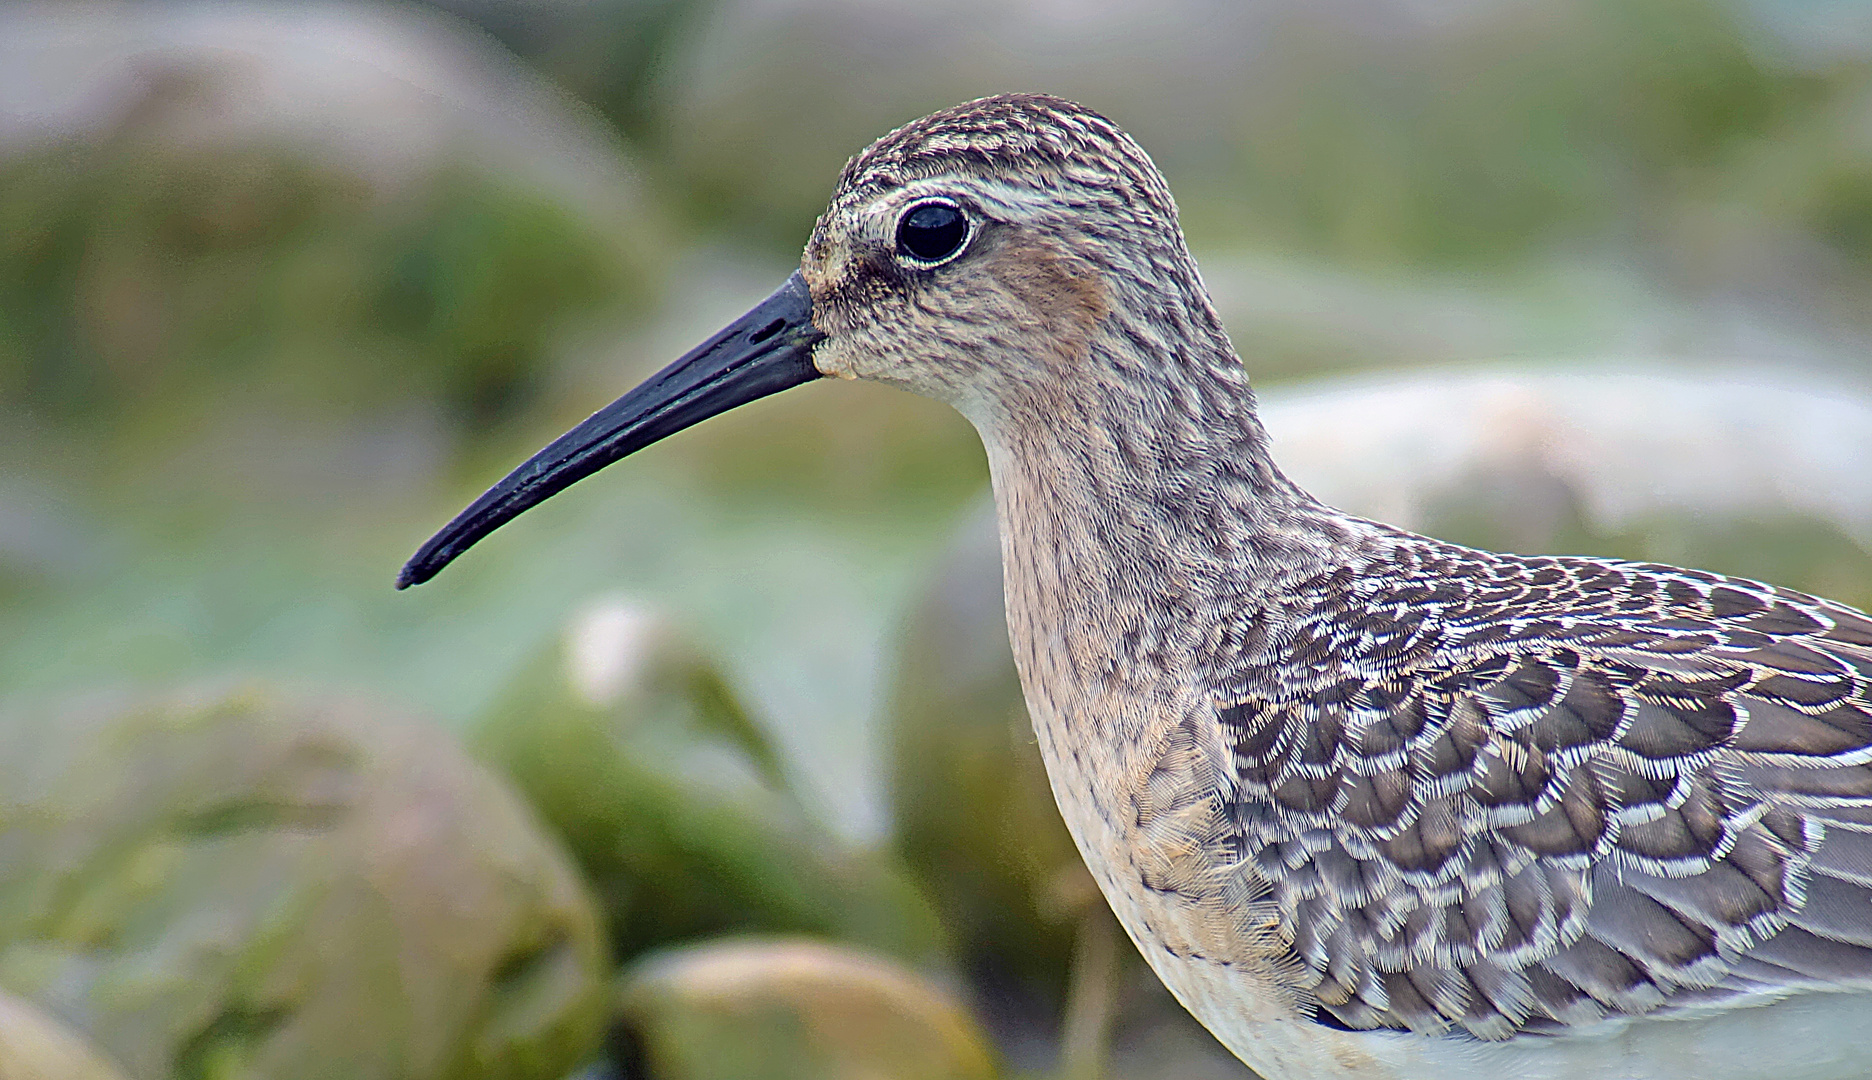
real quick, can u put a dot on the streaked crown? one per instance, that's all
(1029, 140)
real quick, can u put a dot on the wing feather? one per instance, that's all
(1556, 790)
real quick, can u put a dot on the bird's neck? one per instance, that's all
(1139, 506)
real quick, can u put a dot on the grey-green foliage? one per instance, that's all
(230, 883)
(136, 270)
(677, 808)
(608, 52)
(1527, 125)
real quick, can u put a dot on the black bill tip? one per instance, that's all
(765, 351)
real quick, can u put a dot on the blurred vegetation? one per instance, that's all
(678, 807)
(1568, 122)
(610, 53)
(246, 366)
(139, 273)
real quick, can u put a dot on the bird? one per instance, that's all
(1372, 805)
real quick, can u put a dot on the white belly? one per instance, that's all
(1816, 1036)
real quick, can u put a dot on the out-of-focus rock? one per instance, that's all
(328, 209)
(34, 1046)
(235, 883)
(793, 1010)
(633, 745)
(386, 91)
(1743, 472)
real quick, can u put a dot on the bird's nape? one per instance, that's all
(763, 352)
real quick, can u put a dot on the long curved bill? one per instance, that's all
(763, 352)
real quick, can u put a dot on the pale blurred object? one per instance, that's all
(34, 1046)
(385, 89)
(795, 1010)
(236, 883)
(607, 648)
(1620, 447)
(634, 745)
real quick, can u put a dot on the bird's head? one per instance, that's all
(970, 256)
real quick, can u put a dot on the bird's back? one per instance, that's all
(1517, 803)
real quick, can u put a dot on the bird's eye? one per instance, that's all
(932, 232)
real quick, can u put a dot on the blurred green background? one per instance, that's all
(715, 766)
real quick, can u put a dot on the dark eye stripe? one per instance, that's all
(932, 232)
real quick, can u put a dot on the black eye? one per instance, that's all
(932, 232)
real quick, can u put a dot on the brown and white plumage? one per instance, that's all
(1371, 803)
(1502, 795)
